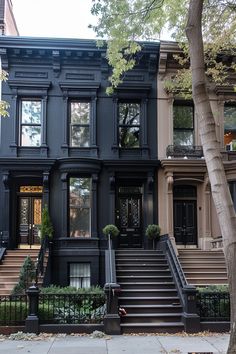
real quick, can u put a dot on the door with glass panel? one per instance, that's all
(30, 210)
(128, 215)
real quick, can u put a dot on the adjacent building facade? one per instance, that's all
(186, 209)
(91, 158)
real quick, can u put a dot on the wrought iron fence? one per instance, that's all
(71, 308)
(213, 306)
(13, 310)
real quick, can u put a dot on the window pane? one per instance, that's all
(30, 136)
(31, 112)
(80, 275)
(183, 137)
(129, 137)
(183, 116)
(80, 207)
(79, 136)
(230, 127)
(129, 113)
(80, 112)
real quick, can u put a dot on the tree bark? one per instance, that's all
(211, 148)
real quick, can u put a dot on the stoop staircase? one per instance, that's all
(10, 268)
(148, 292)
(203, 268)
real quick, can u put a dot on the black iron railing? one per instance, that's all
(213, 306)
(13, 310)
(189, 151)
(71, 308)
(40, 265)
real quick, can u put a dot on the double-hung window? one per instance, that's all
(80, 275)
(30, 122)
(129, 124)
(80, 112)
(80, 207)
(183, 124)
(230, 127)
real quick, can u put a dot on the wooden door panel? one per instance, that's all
(185, 222)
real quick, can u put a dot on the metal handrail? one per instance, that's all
(40, 259)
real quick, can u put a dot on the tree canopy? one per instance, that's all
(124, 23)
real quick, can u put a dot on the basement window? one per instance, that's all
(80, 275)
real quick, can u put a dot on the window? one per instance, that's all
(129, 124)
(30, 122)
(80, 275)
(80, 207)
(183, 125)
(80, 124)
(230, 127)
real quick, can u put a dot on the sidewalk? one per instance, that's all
(125, 344)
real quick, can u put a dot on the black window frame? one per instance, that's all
(120, 126)
(28, 99)
(184, 129)
(79, 100)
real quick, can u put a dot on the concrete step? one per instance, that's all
(148, 292)
(143, 272)
(149, 300)
(147, 285)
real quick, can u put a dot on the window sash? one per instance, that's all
(80, 275)
(30, 125)
(129, 126)
(80, 122)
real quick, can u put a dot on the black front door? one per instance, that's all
(129, 220)
(30, 208)
(185, 222)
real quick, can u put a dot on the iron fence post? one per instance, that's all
(112, 318)
(190, 317)
(32, 320)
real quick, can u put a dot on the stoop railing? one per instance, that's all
(187, 293)
(112, 290)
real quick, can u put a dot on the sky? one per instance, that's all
(54, 18)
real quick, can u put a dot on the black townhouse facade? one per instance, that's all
(91, 158)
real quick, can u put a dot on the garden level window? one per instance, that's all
(80, 207)
(30, 123)
(80, 275)
(183, 122)
(129, 124)
(230, 127)
(80, 124)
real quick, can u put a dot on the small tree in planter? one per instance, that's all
(46, 228)
(153, 232)
(110, 230)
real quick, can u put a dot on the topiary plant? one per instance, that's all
(153, 231)
(111, 230)
(27, 275)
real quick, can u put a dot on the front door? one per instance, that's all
(185, 222)
(129, 220)
(30, 209)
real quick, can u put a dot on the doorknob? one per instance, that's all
(30, 226)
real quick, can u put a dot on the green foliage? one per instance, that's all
(214, 289)
(125, 22)
(27, 275)
(54, 289)
(3, 104)
(111, 230)
(153, 231)
(12, 312)
(46, 227)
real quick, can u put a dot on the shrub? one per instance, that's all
(46, 228)
(27, 275)
(12, 312)
(111, 230)
(153, 231)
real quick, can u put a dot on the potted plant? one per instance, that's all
(46, 228)
(153, 233)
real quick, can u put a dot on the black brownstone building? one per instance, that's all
(92, 158)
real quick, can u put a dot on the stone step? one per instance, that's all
(169, 308)
(143, 278)
(148, 292)
(143, 272)
(205, 274)
(141, 265)
(155, 327)
(149, 300)
(152, 317)
(147, 285)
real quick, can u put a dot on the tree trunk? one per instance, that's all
(211, 148)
